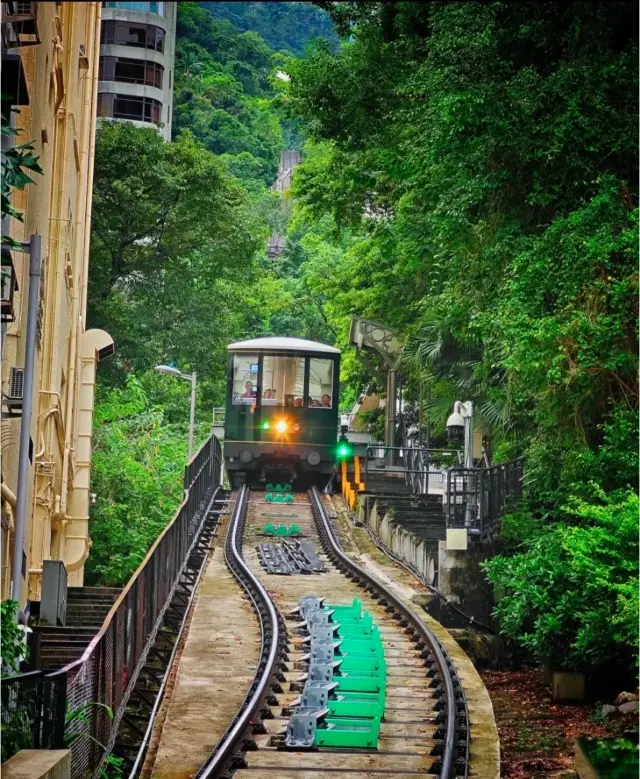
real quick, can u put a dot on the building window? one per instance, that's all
(146, 8)
(140, 109)
(142, 36)
(130, 71)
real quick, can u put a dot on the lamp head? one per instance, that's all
(167, 369)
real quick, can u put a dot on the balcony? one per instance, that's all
(19, 24)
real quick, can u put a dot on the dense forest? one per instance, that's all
(469, 178)
(286, 27)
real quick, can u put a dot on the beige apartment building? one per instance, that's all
(50, 56)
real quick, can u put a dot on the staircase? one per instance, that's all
(87, 607)
(422, 516)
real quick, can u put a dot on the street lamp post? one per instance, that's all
(460, 424)
(188, 377)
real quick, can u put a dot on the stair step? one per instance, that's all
(93, 593)
(66, 640)
(58, 630)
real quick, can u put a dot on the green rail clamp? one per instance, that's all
(361, 705)
(279, 487)
(351, 683)
(345, 733)
(281, 531)
(279, 497)
(318, 728)
(343, 700)
(355, 607)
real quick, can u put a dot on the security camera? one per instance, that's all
(455, 427)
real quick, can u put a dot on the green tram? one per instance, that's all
(281, 417)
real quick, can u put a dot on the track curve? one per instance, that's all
(436, 733)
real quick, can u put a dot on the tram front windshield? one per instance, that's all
(283, 381)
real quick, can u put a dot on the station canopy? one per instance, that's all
(282, 345)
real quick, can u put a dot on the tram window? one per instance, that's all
(245, 379)
(320, 383)
(282, 381)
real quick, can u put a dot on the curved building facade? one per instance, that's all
(137, 53)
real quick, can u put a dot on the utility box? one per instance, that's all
(53, 603)
(457, 539)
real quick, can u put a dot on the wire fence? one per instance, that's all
(32, 714)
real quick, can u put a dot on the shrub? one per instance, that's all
(570, 595)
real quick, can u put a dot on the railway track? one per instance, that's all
(424, 731)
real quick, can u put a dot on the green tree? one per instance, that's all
(172, 232)
(474, 167)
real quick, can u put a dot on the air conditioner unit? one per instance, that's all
(16, 384)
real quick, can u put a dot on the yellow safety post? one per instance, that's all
(359, 484)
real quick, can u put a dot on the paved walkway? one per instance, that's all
(216, 668)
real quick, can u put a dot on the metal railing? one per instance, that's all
(32, 714)
(424, 470)
(477, 498)
(99, 683)
(474, 498)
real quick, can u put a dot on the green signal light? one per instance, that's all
(265, 425)
(344, 451)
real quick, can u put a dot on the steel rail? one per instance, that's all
(223, 753)
(455, 704)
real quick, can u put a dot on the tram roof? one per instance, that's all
(282, 345)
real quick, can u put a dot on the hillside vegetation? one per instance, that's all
(178, 271)
(470, 179)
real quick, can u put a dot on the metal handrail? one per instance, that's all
(109, 666)
(417, 461)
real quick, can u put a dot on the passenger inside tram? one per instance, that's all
(249, 392)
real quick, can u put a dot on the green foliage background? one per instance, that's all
(178, 271)
(469, 178)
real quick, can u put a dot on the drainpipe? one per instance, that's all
(92, 154)
(93, 347)
(35, 247)
(8, 496)
(90, 101)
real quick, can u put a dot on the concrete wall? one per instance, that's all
(61, 74)
(401, 542)
(38, 764)
(457, 575)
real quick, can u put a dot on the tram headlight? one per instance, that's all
(281, 426)
(296, 428)
(245, 456)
